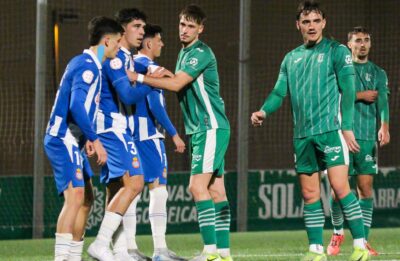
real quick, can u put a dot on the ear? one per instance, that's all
(148, 44)
(349, 44)
(323, 23)
(201, 28)
(106, 40)
(298, 25)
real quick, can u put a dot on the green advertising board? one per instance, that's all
(274, 203)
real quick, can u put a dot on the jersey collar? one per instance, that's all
(196, 44)
(125, 50)
(94, 57)
(142, 55)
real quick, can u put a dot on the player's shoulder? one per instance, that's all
(142, 60)
(376, 67)
(202, 49)
(335, 45)
(84, 63)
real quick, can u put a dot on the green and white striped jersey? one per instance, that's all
(200, 101)
(369, 76)
(311, 76)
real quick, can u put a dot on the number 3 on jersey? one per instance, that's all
(133, 148)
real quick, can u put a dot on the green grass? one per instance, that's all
(279, 245)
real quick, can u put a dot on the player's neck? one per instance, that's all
(357, 59)
(186, 45)
(147, 53)
(125, 44)
(98, 50)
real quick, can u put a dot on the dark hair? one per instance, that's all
(193, 13)
(308, 6)
(150, 31)
(100, 26)
(127, 15)
(356, 30)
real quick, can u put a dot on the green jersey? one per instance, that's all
(202, 106)
(311, 76)
(369, 77)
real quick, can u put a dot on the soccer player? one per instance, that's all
(197, 83)
(319, 76)
(371, 105)
(151, 121)
(71, 124)
(123, 173)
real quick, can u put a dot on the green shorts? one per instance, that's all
(320, 152)
(208, 150)
(364, 162)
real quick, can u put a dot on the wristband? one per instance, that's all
(140, 78)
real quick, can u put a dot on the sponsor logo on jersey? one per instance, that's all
(116, 63)
(79, 174)
(194, 166)
(197, 157)
(200, 50)
(135, 163)
(87, 76)
(368, 77)
(335, 158)
(320, 57)
(193, 61)
(298, 60)
(89, 61)
(348, 59)
(336, 149)
(369, 158)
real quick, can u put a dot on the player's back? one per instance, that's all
(113, 114)
(312, 78)
(146, 126)
(81, 72)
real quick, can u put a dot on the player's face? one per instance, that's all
(311, 26)
(189, 31)
(360, 44)
(156, 45)
(134, 32)
(112, 45)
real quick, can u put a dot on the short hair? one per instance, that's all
(100, 26)
(150, 31)
(356, 30)
(193, 13)
(127, 15)
(308, 6)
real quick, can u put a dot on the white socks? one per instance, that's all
(129, 221)
(62, 246)
(158, 215)
(316, 248)
(75, 252)
(210, 249)
(109, 225)
(359, 242)
(224, 252)
(339, 232)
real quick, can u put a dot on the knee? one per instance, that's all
(217, 195)
(136, 187)
(197, 191)
(310, 195)
(364, 191)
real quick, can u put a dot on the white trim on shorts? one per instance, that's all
(345, 148)
(209, 151)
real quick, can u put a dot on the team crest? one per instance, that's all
(87, 76)
(348, 59)
(164, 174)
(369, 158)
(116, 63)
(193, 62)
(135, 163)
(79, 174)
(368, 77)
(320, 57)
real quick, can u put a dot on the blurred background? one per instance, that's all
(271, 196)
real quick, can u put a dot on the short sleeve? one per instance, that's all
(115, 69)
(83, 78)
(343, 64)
(196, 61)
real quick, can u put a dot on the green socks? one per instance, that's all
(336, 214)
(222, 223)
(314, 220)
(352, 213)
(206, 218)
(367, 208)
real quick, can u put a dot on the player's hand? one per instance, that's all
(89, 149)
(160, 72)
(351, 141)
(369, 95)
(132, 76)
(179, 143)
(257, 118)
(383, 135)
(100, 151)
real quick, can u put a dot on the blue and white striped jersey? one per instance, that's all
(114, 115)
(77, 100)
(151, 118)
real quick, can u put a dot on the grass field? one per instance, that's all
(283, 245)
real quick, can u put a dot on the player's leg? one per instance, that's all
(218, 194)
(366, 169)
(337, 237)
(66, 163)
(306, 164)
(335, 156)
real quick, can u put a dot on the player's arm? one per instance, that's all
(383, 109)
(116, 72)
(157, 108)
(274, 100)
(345, 74)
